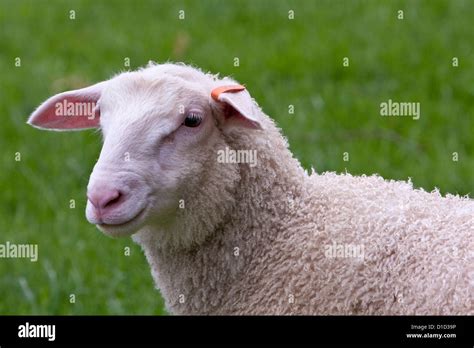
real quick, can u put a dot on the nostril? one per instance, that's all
(108, 198)
(104, 198)
(113, 199)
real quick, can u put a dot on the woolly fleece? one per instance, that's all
(257, 239)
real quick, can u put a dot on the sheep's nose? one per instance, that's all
(104, 198)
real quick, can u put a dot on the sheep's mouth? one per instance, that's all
(124, 228)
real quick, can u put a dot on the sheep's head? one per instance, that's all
(161, 129)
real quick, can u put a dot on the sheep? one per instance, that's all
(229, 237)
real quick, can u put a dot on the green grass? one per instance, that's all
(282, 62)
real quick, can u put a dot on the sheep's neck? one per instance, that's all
(209, 277)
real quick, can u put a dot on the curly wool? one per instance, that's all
(266, 250)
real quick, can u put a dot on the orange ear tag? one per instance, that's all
(223, 89)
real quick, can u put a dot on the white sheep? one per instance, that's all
(226, 237)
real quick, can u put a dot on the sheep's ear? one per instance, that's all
(238, 105)
(72, 110)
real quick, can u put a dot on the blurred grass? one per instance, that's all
(282, 62)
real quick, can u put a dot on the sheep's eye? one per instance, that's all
(192, 120)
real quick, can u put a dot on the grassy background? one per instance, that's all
(282, 62)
